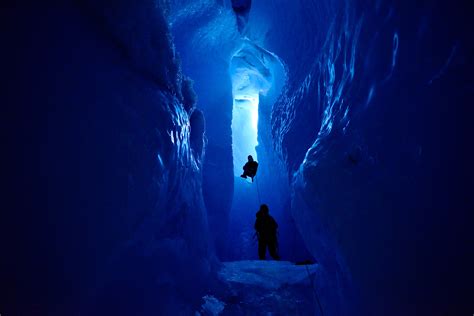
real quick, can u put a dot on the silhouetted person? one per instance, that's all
(266, 228)
(250, 168)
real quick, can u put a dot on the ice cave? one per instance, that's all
(126, 126)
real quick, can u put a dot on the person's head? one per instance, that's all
(264, 209)
(250, 158)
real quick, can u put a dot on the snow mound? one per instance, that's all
(266, 274)
(266, 288)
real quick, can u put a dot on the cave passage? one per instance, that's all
(244, 131)
(125, 126)
(250, 78)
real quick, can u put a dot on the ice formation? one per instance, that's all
(126, 125)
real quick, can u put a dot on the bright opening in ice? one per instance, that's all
(244, 130)
(250, 78)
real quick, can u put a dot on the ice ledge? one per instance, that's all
(266, 274)
(262, 288)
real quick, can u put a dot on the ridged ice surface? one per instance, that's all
(117, 191)
(122, 204)
(270, 275)
(253, 287)
(369, 124)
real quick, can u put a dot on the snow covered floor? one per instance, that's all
(263, 288)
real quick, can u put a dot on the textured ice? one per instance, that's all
(117, 212)
(270, 275)
(251, 71)
(211, 307)
(267, 288)
(119, 182)
(359, 125)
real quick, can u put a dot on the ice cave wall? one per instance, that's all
(213, 52)
(373, 127)
(205, 37)
(104, 207)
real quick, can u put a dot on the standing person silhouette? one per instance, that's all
(266, 229)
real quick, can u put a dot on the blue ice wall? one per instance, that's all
(102, 210)
(374, 127)
(106, 156)
(205, 37)
(209, 28)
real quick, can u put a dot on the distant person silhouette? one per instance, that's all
(250, 168)
(266, 228)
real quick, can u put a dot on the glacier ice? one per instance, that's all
(113, 163)
(120, 195)
(348, 123)
(268, 287)
(211, 307)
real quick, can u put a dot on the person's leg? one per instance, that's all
(272, 248)
(262, 248)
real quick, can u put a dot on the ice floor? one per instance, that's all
(263, 288)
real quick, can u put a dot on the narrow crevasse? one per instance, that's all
(121, 189)
(362, 129)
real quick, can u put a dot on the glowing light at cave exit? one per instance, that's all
(244, 130)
